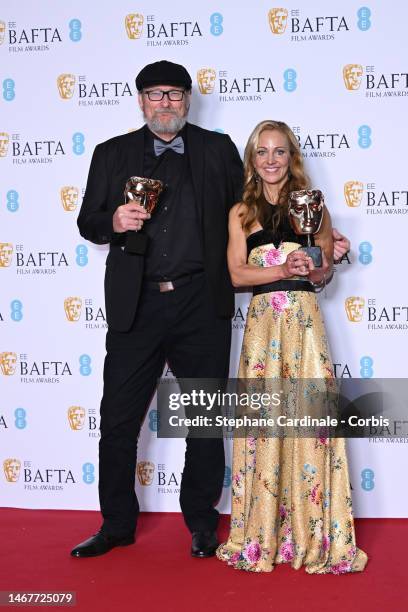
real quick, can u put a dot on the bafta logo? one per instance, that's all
(72, 307)
(4, 142)
(8, 363)
(206, 80)
(278, 19)
(352, 74)
(69, 198)
(2, 32)
(6, 254)
(12, 469)
(66, 84)
(353, 193)
(76, 417)
(145, 472)
(354, 308)
(134, 25)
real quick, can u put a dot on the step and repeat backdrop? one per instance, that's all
(335, 72)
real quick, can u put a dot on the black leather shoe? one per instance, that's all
(204, 544)
(99, 544)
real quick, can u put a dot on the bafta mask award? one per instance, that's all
(146, 192)
(306, 209)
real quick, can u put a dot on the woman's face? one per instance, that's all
(272, 157)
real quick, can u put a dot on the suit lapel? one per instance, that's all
(195, 148)
(135, 153)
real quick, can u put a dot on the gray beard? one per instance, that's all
(169, 127)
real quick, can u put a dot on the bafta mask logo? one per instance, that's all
(72, 307)
(69, 198)
(134, 25)
(8, 363)
(206, 80)
(66, 85)
(6, 254)
(145, 472)
(352, 74)
(2, 32)
(354, 308)
(278, 19)
(4, 142)
(12, 469)
(353, 193)
(76, 417)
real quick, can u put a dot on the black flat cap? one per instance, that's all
(163, 73)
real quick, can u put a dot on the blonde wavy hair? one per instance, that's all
(257, 208)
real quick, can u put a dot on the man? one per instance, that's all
(174, 303)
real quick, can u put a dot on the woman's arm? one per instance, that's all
(247, 275)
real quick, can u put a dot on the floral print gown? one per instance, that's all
(291, 500)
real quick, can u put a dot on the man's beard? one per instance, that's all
(169, 126)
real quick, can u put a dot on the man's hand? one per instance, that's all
(341, 245)
(129, 217)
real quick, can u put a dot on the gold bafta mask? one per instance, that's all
(134, 25)
(12, 469)
(145, 472)
(69, 198)
(76, 417)
(6, 254)
(352, 74)
(72, 307)
(4, 141)
(354, 308)
(8, 363)
(206, 80)
(353, 193)
(278, 19)
(2, 32)
(66, 84)
(306, 210)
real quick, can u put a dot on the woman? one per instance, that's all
(291, 498)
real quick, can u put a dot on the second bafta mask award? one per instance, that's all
(306, 209)
(146, 192)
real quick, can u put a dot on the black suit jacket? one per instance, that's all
(217, 178)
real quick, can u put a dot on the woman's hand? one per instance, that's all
(297, 263)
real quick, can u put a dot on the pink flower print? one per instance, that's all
(287, 551)
(235, 557)
(325, 543)
(252, 552)
(251, 441)
(273, 257)
(282, 511)
(341, 568)
(279, 301)
(315, 495)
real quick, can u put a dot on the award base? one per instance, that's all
(315, 252)
(136, 243)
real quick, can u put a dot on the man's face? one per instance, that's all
(69, 196)
(165, 117)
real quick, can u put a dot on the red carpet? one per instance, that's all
(157, 573)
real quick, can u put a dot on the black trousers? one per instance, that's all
(178, 326)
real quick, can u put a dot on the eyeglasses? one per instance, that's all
(174, 95)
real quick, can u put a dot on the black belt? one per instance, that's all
(284, 285)
(171, 285)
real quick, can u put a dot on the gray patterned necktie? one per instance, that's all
(176, 145)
